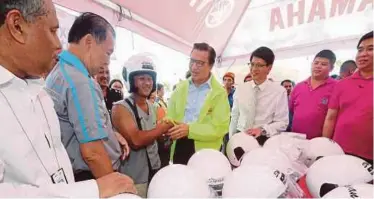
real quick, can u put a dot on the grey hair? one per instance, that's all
(30, 9)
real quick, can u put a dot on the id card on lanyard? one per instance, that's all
(59, 177)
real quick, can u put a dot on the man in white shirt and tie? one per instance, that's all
(33, 161)
(260, 106)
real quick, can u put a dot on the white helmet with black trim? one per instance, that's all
(138, 64)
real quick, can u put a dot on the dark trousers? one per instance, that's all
(184, 149)
(83, 175)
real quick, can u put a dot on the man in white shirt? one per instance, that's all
(33, 161)
(260, 106)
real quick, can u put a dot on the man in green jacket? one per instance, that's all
(200, 107)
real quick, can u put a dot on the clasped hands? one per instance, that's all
(176, 129)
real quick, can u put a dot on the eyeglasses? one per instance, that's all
(256, 65)
(198, 63)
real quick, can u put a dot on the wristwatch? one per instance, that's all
(263, 131)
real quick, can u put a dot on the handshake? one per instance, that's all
(174, 129)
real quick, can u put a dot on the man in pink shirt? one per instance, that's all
(309, 100)
(349, 120)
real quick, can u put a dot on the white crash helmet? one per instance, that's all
(138, 64)
(320, 147)
(215, 175)
(268, 157)
(238, 145)
(354, 191)
(254, 182)
(289, 143)
(338, 170)
(178, 181)
(126, 195)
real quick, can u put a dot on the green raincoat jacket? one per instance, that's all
(214, 118)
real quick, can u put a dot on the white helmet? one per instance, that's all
(126, 195)
(290, 144)
(341, 170)
(254, 182)
(268, 157)
(178, 181)
(354, 191)
(138, 64)
(238, 145)
(320, 147)
(215, 175)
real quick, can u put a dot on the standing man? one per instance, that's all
(200, 107)
(160, 96)
(349, 120)
(110, 95)
(288, 85)
(260, 106)
(33, 161)
(135, 119)
(309, 100)
(85, 123)
(347, 69)
(228, 82)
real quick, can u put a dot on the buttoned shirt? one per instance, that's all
(266, 108)
(31, 148)
(195, 100)
(81, 110)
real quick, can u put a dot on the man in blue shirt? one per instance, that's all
(86, 129)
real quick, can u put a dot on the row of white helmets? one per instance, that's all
(268, 171)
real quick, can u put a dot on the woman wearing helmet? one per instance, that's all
(135, 119)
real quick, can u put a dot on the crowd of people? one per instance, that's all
(68, 131)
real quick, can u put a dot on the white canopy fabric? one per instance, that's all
(236, 27)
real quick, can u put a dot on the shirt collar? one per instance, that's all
(69, 58)
(207, 83)
(261, 86)
(357, 75)
(328, 81)
(5, 75)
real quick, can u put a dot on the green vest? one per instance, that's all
(214, 118)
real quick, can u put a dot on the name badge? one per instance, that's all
(59, 177)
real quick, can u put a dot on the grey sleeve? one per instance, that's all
(85, 112)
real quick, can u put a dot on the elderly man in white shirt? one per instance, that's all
(33, 161)
(260, 106)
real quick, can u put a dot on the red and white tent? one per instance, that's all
(236, 27)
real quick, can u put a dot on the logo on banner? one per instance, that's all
(219, 13)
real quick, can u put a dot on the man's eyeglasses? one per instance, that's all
(197, 62)
(256, 65)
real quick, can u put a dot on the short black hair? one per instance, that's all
(289, 81)
(346, 64)
(264, 53)
(29, 9)
(368, 35)
(328, 54)
(114, 81)
(206, 47)
(90, 23)
(159, 86)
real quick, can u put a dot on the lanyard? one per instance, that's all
(28, 138)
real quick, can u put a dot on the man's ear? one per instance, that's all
(88, 40)
(16, 25)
